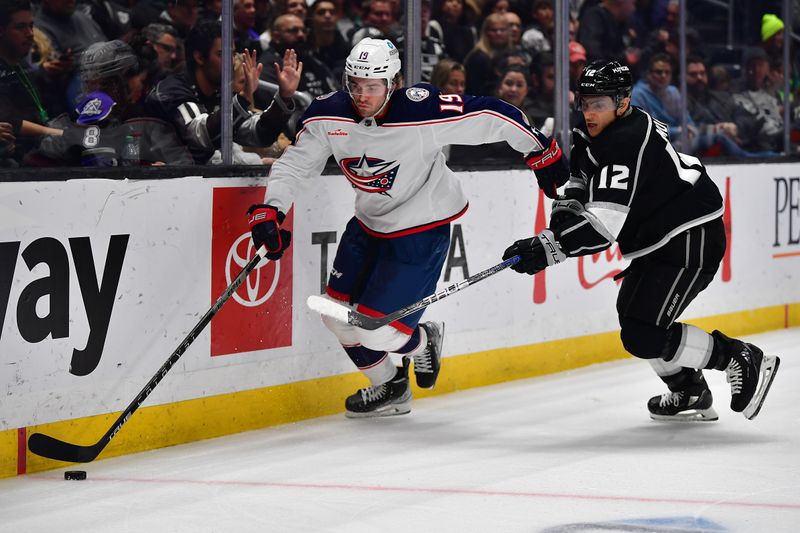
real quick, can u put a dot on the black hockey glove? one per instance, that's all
(550, 166)
(564, 209)
(536, 253)
(264, 223)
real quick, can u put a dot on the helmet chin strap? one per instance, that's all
(385, 101)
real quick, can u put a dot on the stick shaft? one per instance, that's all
(368, 322)
(53, 448)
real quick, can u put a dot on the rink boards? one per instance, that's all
(100, 280)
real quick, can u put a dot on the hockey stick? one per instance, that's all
(343, 313)
(53, 448)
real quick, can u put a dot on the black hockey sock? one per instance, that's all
(412, 344)
(720, 353)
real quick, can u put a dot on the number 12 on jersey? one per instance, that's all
(454, 103)
(619, 177)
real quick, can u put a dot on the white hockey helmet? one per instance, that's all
(373, 58)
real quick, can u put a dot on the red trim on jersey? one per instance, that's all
(336, 295)
(415, 229)
(399, 326)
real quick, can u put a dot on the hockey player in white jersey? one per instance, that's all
(629, 185)
(388, 142)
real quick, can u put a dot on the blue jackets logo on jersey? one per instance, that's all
(370, 174)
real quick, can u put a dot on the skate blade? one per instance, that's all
(393, 409)
(769, 366)
(694, 415)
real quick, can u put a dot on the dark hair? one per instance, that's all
(659, 58)
(694, 58)
(201, 39)
(9, 7)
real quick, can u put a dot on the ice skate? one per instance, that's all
(429, 360)
(750, 374)
(389, 399)
(683, 406)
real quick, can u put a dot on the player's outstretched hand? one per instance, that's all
(550, 166)
(265, 228)
(536, 253)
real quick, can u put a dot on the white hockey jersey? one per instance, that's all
(395, 164)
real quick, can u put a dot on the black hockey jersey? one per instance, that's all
(635, 189)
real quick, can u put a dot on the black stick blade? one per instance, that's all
(52, 448)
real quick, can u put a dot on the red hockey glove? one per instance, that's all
(550, 166)
(264, 223)
(536, 253)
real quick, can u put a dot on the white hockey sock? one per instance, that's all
(695, 348)
(381, 372)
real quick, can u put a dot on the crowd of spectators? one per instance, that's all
(112, 82)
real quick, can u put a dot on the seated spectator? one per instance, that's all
(249, 155)
(180, 14)
(378, 19)
(100, 136)
(541, 106)
(655, 94)
(164, 41)
(604, 30)
(431, 48)
(494, 41)
(244, 26)
(114, 18)
(715, 112)
(449, 76)
(190, 101)
(755, 98)
(288, 32)
(719, 79)
(70, 33)
(512, 88)
(538, 37)
(23, 100)
(459, 35)
(324, 40)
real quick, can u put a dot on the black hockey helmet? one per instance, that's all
(606, 78)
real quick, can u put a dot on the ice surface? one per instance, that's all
(572, 452)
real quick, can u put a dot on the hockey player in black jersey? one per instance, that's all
(629, 185)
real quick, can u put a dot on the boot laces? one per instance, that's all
(423, 362)
(372, 394)
(668, 398)
(734, 376)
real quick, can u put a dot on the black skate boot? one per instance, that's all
(749, 372)
(389, 399)
(429, 360)
(689, 400)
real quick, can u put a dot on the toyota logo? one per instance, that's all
(234, 264)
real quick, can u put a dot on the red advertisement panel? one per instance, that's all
(259, 315)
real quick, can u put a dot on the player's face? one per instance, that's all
(368, 94)
(598, 112)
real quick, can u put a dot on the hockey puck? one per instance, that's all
(78, 475)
